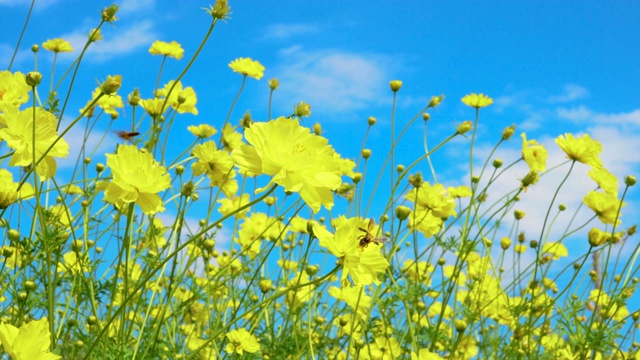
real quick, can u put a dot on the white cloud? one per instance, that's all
(139, 35)
(131, 6)
(285, 30)
(571, 92)
(331, 80)
(578, 113)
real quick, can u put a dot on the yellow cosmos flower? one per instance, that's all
(137, 178)
(583, 149)
(298, 160)
(605, 206)
(8, 189)
(477, 100)
(534, 154)
(29, 342)
(605, 180)
(362, 264)
(183, 100)
(355, 297)
(202, 131)
(556, 249)
(153, 107)
(227, 206)
(247, 67)
(218, 165)
(57, 45)
(172, 49)
(14, 91)
(231, 139)
(19, 136)
(107, 103)
(240, 341)
(425, 354)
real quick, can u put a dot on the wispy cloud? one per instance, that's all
(286, 30)
(131, 6)
(139, 35)
(570, 92)
(585, 115)
(333, 80)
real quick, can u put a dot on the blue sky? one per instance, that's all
(551, 67)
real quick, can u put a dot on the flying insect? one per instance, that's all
(368, 238)
(127, 135)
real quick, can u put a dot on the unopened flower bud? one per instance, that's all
(395, 85)
(371, 121)
(317, 128)
(426, 116)
(518, 214)
(99, 167)
(399, 168)
(33, 78)
(109, 13)
(302, 109)
(497, 163)
(220, 9)
(562, 207)
(13, 235)
(246, 120)
(179, 170)
(208, 244)
(505, 242)
(632, 230)
(29, 285)
(460, 325)
(533, 244)
(475, 179)
(442, 261)
(366, 153)
(273, 83)
(402, 212)
(530, 179)
(188, 189)
(111, 85)
(265, 285)
(35, 48)
(508, 132)
(311, 270)
(465, 127)
(630, 180)
(436, 100)
(76, 245)
(356, 178)
(416, 180)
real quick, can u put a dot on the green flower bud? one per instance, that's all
(403, 212)
(435, 100)
(395, 85)
(111, 85)
(508, 132)
(273, 83)
(33, 78)
(465, 127)
(371, 121)
(630, 180)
